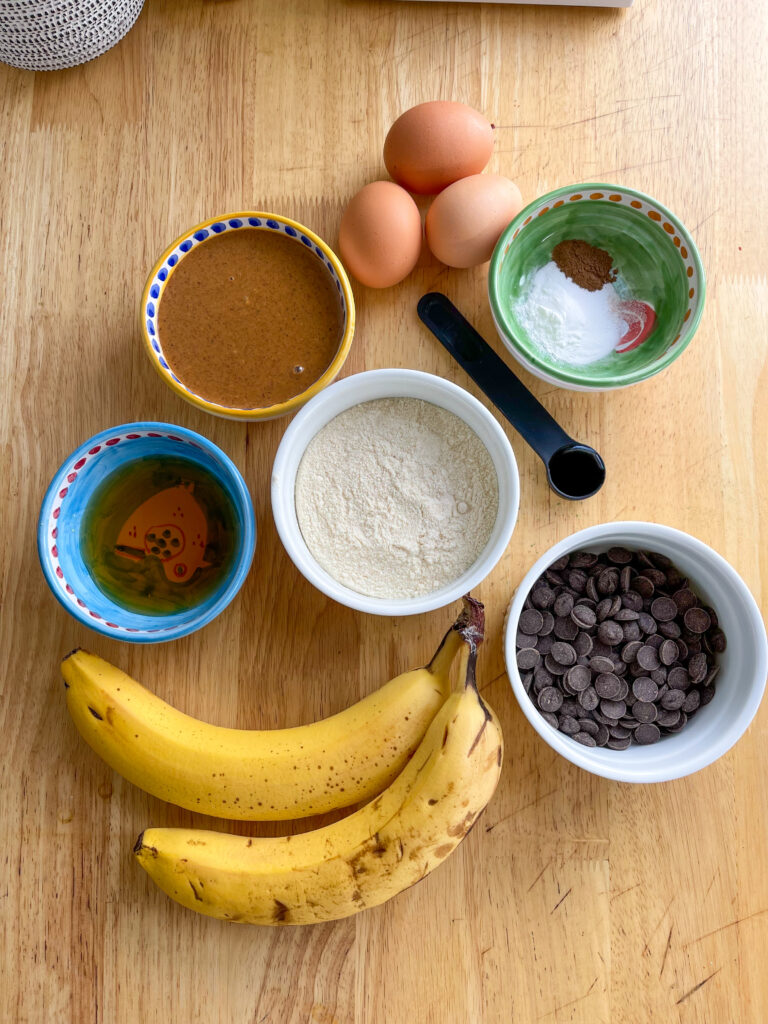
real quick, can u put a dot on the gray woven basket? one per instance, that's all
(44, 35)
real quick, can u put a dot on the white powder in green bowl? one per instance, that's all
(396, 497)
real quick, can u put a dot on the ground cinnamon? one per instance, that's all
(586, 265)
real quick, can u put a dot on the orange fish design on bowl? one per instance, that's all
(170, 526)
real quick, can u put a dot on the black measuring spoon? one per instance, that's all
(574, 471)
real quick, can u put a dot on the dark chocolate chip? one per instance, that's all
(668, 652)
(644, 712)
(692, 701)
(663, 609)
(697, 620)
(647, 623)
(610, 632)
(554, 666)
(588, 698)
(698, 668)
(579, 677)
(629, 651)
(585, 739)
(566, 628)
(583, 644)
(648, 658)
(619, 556)
(618, 744)
(531, 621)
(550, 699)
(645, 689)
(646, 734)
(542, 597)
(547, 623)
(563, 654)
(678, 678)
(608, 686)
(568, 725)
(528, 658)
(583, 616)
(673, 700)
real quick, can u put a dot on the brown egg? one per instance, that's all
(465, 220)
(380, 235)
(434, 144)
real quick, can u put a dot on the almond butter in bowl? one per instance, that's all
(248, 316)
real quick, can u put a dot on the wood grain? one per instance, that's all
(575, 899)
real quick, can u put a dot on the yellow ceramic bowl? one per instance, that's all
(175, 253)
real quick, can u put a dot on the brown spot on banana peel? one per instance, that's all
(192, 886)
(461, 828)
(140, 848)
(442, 851)
(379, 848)
(280, 912)
(477, 738)
(95, 713)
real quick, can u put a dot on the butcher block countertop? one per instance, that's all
(575, 899)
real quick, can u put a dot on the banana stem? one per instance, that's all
(466, 632)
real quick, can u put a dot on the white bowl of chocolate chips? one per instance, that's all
(636, 651)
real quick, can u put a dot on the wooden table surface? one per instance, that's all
(575, 899)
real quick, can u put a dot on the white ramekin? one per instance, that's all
(363, 387)
(744, 664)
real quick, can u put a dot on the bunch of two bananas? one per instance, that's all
(426, 758)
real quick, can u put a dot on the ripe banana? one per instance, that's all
(358, 862)
(266, 775)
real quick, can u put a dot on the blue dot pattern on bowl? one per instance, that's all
(195, 238)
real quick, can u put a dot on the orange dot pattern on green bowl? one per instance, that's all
(615, 198)
(637, 205)
(577, 196)
(654, 215)
(542, 212)
(597, 195)
(668, 228)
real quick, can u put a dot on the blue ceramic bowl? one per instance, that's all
(58, 532)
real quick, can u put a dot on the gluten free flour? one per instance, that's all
(396, 497)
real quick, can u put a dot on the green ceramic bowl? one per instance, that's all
(653, 253)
